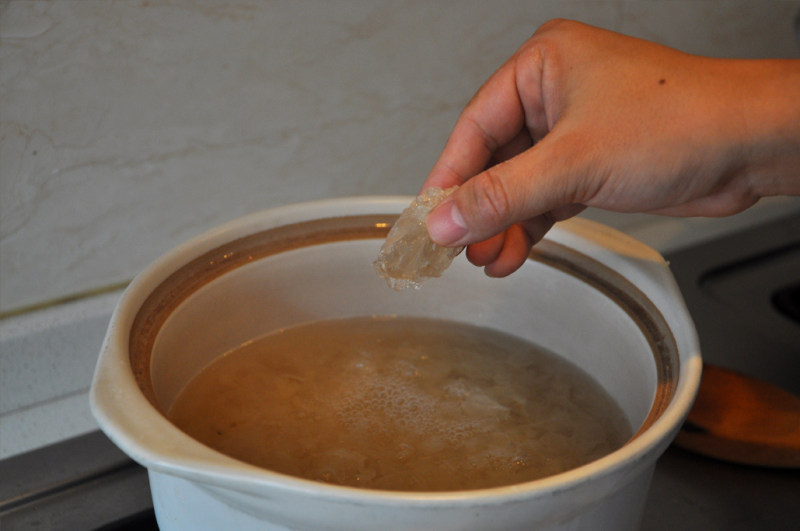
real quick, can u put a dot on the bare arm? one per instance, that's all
(581, 116)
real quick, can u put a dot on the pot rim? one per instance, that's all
(126, 415)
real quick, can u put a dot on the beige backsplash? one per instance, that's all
(127, 127)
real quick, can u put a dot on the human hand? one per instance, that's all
(581, 116)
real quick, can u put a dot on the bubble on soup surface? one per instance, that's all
(408, 256)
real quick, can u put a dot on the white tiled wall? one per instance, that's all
(127, 127)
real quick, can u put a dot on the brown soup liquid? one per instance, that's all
(400, 404)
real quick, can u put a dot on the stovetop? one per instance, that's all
(86, 483)
(743, 291)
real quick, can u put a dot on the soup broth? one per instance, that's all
(400, 404)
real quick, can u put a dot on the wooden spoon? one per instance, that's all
(740, 419)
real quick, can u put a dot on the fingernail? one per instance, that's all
(446, 225)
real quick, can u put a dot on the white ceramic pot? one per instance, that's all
(593, 295)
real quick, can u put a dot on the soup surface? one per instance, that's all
(400, 404)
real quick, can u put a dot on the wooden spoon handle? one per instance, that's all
(743, 420)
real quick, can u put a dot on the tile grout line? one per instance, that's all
(52, 303)
(43, 403)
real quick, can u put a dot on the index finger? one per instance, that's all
(493, 117)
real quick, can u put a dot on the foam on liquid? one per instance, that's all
(400, 404)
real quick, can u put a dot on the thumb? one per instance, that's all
(516, 190)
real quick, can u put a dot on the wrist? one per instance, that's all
(770, 107)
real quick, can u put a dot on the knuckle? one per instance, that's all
(488, 143)
(553, 24)
(491, 201)
(557, 25)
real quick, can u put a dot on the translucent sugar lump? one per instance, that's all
(408, 257)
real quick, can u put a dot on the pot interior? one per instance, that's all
(560, 299)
